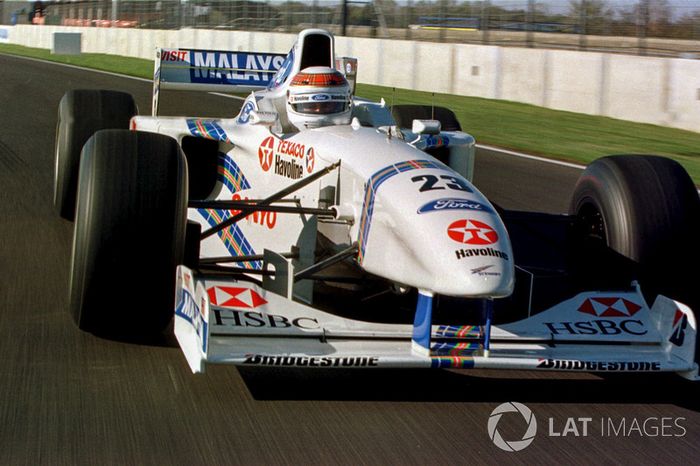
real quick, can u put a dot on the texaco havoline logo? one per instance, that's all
(468, 231)
(512, 445)
(265, 153)
(310, 159)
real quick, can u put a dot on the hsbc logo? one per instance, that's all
(474, 232)
(598, 327)
(266, 151)
(609, 307)
(235, 297)
(617, 313)
(236, 318)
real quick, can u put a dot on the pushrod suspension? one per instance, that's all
(268, 200)
(334, 259)
(248, 208)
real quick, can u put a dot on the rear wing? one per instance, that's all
(212, 70)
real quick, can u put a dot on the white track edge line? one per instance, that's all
(531, 157)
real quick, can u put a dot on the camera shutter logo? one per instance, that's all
(513, 445)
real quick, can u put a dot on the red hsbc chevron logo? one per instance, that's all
(231, 296)
(677, 317)
(609, 307)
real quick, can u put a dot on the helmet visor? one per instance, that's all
(320, 108)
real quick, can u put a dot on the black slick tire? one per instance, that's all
(80, 114)
(129, 233)
(646, 209)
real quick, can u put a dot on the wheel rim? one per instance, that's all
(592, 222)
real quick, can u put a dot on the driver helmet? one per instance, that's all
(319, 96)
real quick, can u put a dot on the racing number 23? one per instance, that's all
(432, 182)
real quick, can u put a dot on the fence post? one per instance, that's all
(443, 19)
(583, 24)
(115, 12)
(530, 24)
(179, 14)
(246, 12)
(642, 25)
(344, 19)
(485, 6)
(288, 17)
(407, 19)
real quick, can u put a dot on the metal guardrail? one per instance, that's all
(647, 27)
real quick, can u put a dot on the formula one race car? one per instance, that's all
(322, 230)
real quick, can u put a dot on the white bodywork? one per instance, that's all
(415, 221)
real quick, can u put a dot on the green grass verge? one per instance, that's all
(117, 64)
(551, 133)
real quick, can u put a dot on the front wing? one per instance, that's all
(226, 321)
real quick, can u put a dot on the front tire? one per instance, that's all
(80, 114)
(129, 233)
(646, 209)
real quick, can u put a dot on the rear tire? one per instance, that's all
(129, 233)
(80, 114)
(405, 114)
(645, 208)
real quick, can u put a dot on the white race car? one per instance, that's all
(317, 229)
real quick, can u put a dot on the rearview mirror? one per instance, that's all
(263, 118)
(426, 127)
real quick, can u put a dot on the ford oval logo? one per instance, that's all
(446, 204)
(321, 97)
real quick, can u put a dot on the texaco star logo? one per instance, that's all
(310, 159)
(265, 153)
(472, 232)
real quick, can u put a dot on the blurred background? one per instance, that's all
(645, 27)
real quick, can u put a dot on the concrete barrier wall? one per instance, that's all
(639, 92)
(576, 82)
(663, 91)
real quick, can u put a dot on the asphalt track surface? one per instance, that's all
(67, 397)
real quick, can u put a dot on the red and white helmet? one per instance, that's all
(319, 96)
